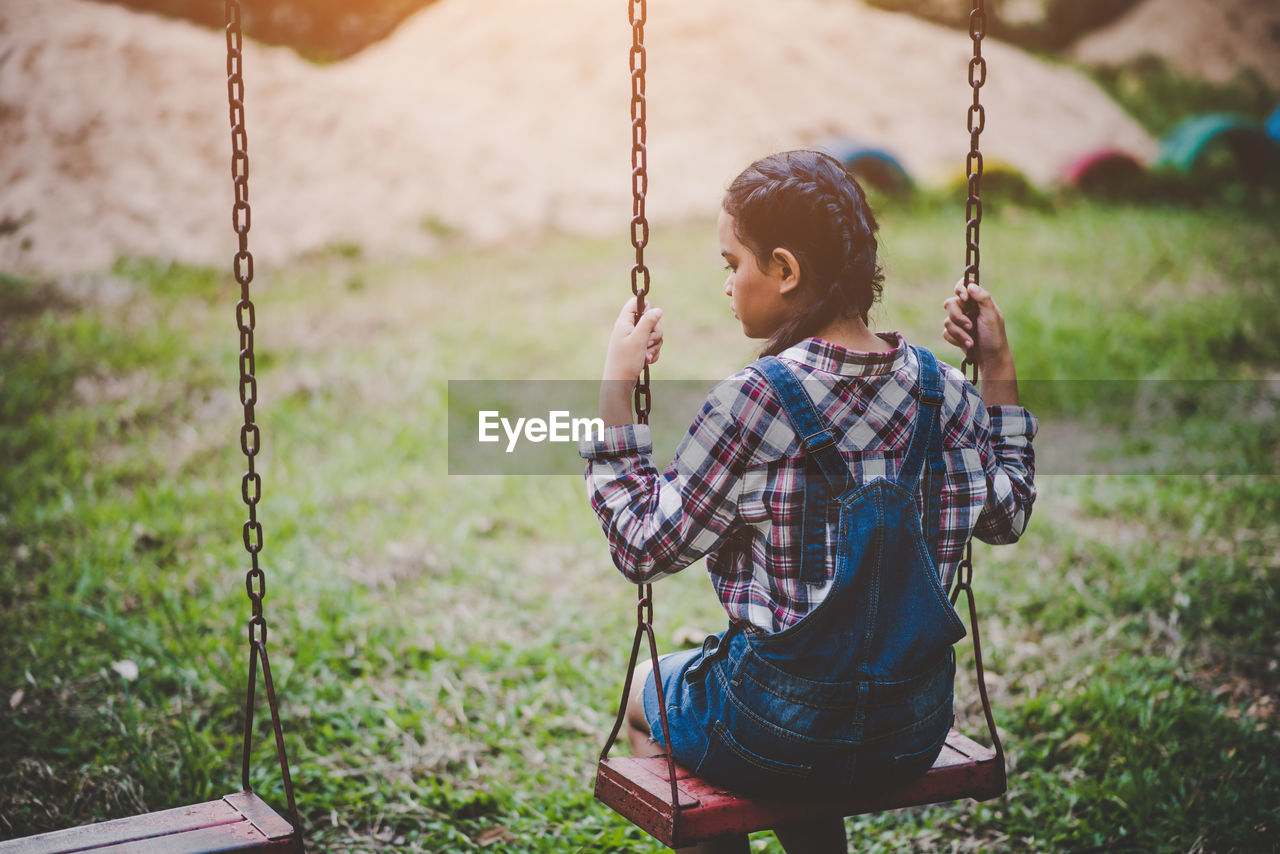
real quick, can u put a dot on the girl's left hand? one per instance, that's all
(633, 344)
(992, 350)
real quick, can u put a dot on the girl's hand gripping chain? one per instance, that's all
(991, 353)
(632, 345)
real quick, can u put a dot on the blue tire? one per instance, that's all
(874, 167)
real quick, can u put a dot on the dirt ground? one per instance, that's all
(480, 120)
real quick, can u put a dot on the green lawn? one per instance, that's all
(449, 649)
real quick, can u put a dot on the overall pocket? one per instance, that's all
(728, 763)
(908, 766)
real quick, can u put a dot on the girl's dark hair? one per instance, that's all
(805, 202)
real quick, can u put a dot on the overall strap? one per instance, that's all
(825, 473)
(925, 451)
(817, 436)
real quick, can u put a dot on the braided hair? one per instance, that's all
(805, 202)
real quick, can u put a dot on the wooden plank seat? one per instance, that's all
(639, 789)
(238, 822)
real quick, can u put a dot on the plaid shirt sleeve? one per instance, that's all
(1010, 468)
(657, 523)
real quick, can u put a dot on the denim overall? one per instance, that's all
(857, 694)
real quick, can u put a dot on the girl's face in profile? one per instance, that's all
(757, 296)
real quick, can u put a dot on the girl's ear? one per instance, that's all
(787, 268)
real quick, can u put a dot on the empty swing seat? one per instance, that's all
(639, 789)
(238, 822)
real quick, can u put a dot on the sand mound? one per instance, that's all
(484, 117)
(1212, 39)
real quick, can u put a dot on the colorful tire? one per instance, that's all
(1186, 147)
(873, 167)
(1107, 170)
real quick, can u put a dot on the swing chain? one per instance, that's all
(977, 119)
(250, 436)
(644, 605)
(964, 583)
(638, 14)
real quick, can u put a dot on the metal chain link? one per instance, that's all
(242, 265)
(255, 580)
(642, 397)
(977, 119)
(638, 14)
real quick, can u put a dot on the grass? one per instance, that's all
(449, 648)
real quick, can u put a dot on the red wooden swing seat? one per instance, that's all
(238, 822)
(640, 790)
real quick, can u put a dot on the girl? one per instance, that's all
(832, 486)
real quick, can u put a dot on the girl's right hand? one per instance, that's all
(633, 344)
(993, 345)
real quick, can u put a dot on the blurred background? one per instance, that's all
(490, 120)
(441, 191)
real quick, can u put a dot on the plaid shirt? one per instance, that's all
(735, 488)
